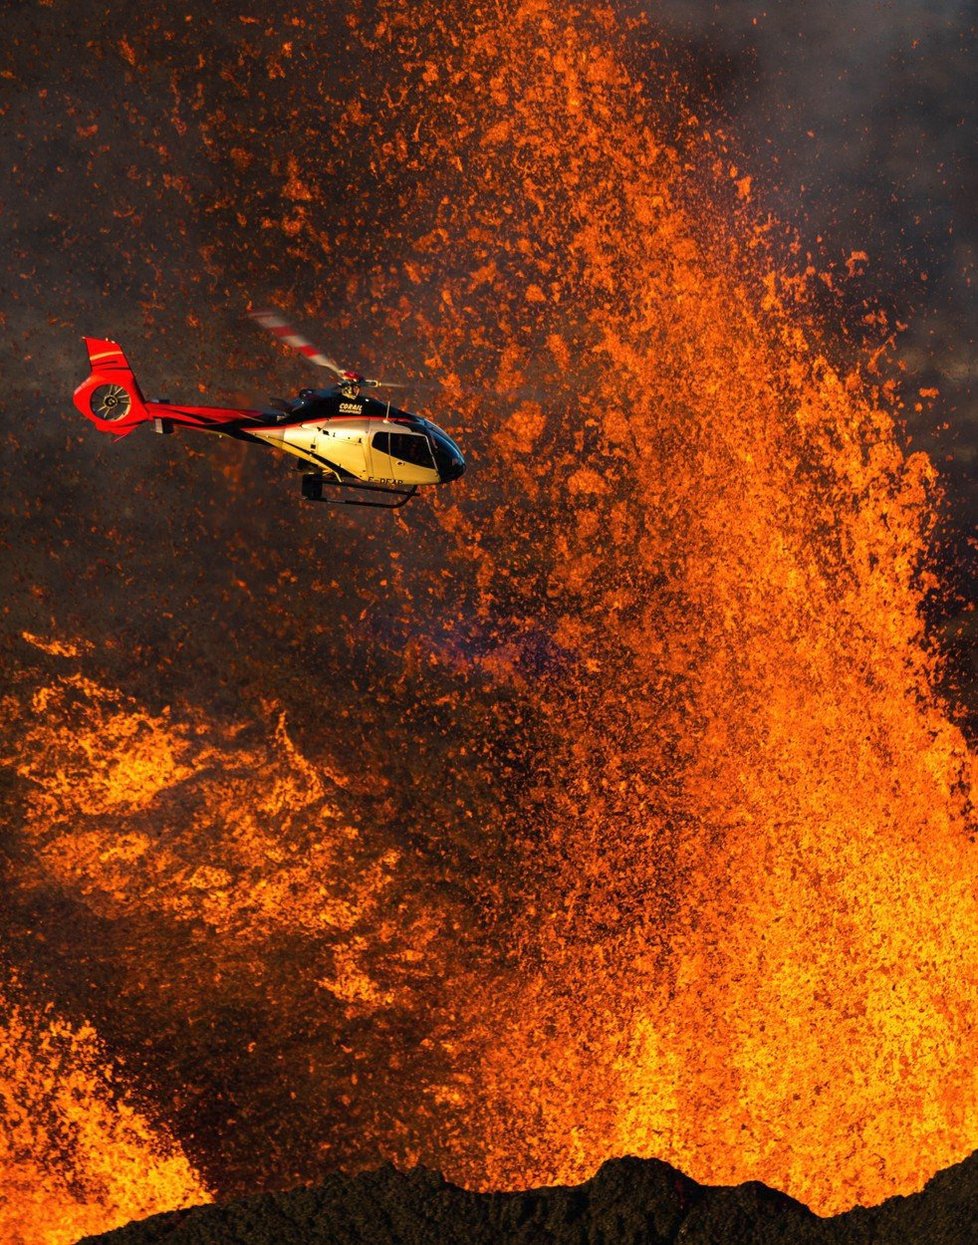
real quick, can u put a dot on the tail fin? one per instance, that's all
(110, 396)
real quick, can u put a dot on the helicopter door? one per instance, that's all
(409, 456)
(382, 467)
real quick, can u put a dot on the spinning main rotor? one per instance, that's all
(350, 382)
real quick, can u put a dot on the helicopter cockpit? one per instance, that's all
(424, 445)
(448, 459)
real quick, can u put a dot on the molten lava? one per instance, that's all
(615, 810)
(75, 1156)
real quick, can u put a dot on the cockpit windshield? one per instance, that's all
(449, 461)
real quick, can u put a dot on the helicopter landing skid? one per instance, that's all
(312, 490)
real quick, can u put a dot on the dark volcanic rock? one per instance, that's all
(628, 1202)
(631, 1201)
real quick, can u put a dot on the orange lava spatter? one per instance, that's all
(75, 1157)
(657, 838)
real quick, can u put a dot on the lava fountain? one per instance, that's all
(754, 957)
(679, 859)
(74, 1155)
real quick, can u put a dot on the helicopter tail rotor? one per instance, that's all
(109, 396)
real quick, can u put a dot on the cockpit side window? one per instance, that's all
(409, 448)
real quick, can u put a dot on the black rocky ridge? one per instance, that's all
(628, 1201)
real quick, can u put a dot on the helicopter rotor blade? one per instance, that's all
(276, 324)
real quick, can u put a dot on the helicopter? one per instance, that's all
(345, 440)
